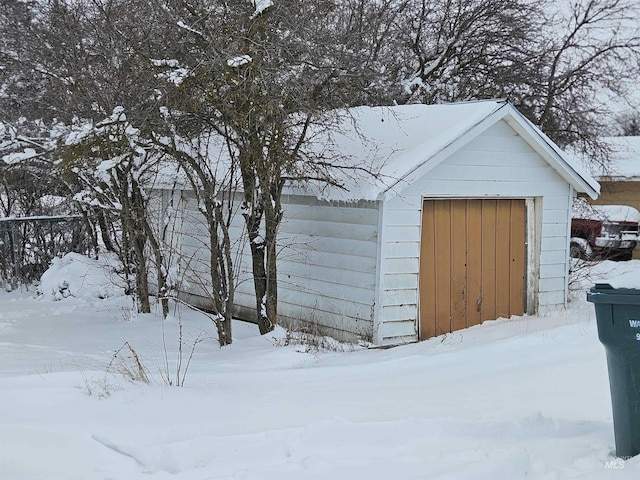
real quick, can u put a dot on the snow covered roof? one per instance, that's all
(613, 213)
(625, 159)
(404, 142)
(376, 152)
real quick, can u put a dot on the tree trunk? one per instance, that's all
(260, 284)
(163, 289)
(272, 217)
(220, 291)
(142, 275)
(253, 207)
(129, 217)
(102, 223)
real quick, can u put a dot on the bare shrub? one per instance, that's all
(177, 375)
(126, 362)
(311, 341)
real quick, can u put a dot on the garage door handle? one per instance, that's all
(479, 305)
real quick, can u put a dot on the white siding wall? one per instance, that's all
(187, 233)
(195, 253)
(327, 265)
(327, 258)
(497, 163)
(166, 210)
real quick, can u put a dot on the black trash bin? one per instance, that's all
(618, 319)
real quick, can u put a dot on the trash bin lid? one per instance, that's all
(606, 293)
(623, 291)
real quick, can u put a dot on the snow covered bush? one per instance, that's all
(76, 275)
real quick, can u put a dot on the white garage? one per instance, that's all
(467, 221)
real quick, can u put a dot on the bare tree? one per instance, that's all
(210, 169)
(116, 169)
(560, 63)
(630, 125)
(260, 75)
(579, 73)
(82, 60)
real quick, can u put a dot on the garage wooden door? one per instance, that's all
(472, 263)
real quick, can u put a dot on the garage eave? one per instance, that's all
(567, 168)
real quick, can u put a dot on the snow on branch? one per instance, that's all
(78, 134)
(114, 125)
(181, 24)
(178, 73)
(17, 157)
(261, 6)
(238, 61)
(32, 143)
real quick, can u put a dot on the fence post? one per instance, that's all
(16, 268)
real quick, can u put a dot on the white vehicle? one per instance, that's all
(604, 231)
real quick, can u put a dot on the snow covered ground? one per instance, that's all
(523, 398)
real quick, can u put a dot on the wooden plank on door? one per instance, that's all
(488, 285)
(458, 209)
(518, 257)
(427, 272)
(503, 259)
(442, 215)
(474, 262)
